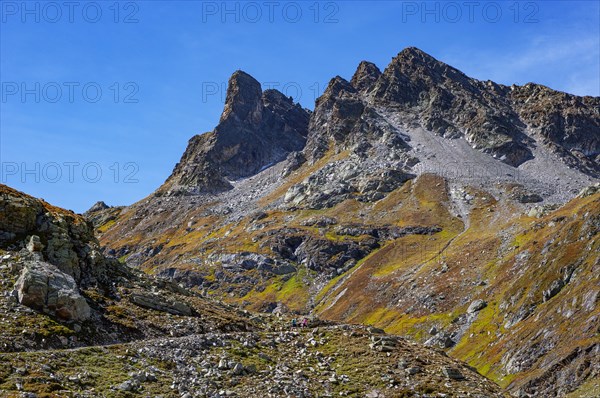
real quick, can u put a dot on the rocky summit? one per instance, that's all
(439, 234)
(257, 129)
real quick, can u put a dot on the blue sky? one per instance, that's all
(98, 102)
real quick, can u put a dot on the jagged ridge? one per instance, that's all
(339, 224)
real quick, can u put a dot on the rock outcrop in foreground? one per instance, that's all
(44, 287)
(59, 290)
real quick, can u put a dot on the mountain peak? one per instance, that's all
(242, 80)
(412, 57)
(256, 129)
(414, 51)
(365, 76)
(335, 86)
(243, 96)
(98, 206)
(421, 143)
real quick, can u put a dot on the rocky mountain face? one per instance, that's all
(362, 116)
(503, 296)
(57, 291)
(568, 125)
(494, 118)
(457, 212)
(256, 130)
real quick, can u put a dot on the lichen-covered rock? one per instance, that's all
(44, 287)
(159, 303)
(589, 191)
(62, 238)
(441, 340)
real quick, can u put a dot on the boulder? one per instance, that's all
(441, 340)
(541, 211)
(238, 369)
(61, 251)
(283, 268)
(522, 195)
(45, 288)
(159, 303)
(476, 306)
(452, 373)
(293, 162)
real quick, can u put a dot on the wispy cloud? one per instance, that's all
(544, 49)
(566, 63)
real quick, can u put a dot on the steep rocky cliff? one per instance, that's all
(256, 130)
